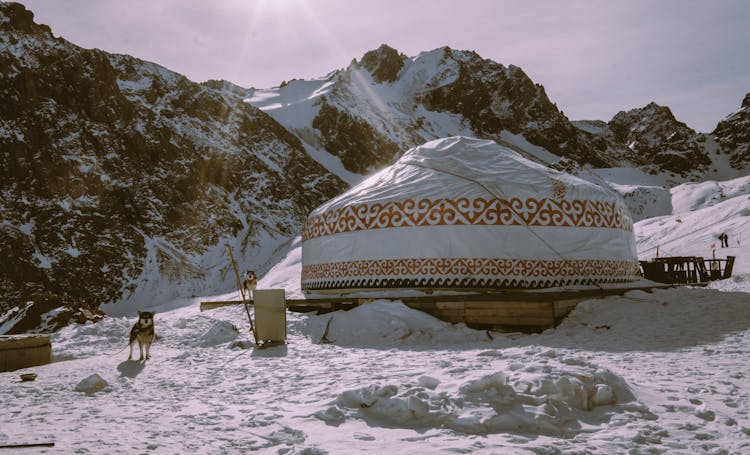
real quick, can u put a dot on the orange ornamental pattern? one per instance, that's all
(465, 211)
(529, 269)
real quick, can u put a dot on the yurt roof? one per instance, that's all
(468, 213)
(457, 163)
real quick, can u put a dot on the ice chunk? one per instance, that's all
(91, 384)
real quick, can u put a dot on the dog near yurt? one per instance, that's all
(143, 331)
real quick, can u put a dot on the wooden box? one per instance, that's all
(23, 351)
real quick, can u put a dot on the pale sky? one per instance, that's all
(594, 58)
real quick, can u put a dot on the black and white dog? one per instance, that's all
(249, 282)
(143, 331)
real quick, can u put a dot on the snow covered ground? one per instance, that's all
(647, 372)
(666, 372)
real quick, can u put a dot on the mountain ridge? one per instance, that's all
(450, 92)
(121, 177)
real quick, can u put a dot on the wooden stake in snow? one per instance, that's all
(242, 293)
(325, 339)
(25, 446)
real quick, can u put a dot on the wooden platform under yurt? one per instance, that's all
(24, 351)
(517, 310)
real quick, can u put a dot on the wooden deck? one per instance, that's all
(687, 269)
(528, 311)
(24, 351)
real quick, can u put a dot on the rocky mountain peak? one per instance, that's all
(649, 114)
(384, 63)
(118, 174)
(15, 16)
(733, 134)
(651, 119)
(657, 139)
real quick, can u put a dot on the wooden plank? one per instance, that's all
(301, 305)
(17, 358)
(28, 445)
(538, 322)
(509, 309)
(511, 312)
(23, 341)
(566, 306)
(442, 306)
(494, 296)
(450, 315)
(512, 305)
(212, 305)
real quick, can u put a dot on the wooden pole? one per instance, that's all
(242, 293)
(26, 446)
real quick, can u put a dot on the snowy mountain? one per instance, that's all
(369, 112)
(660, 372)
(121, 182)
(361, 117)
(121, 178)
(733, 133)
(657, 143)
(700, 212)
(657, 140)
(118, 175)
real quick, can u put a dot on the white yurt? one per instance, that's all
(468, 214)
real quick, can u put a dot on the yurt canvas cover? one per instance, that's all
(468, 213)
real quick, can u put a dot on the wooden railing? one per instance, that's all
(687, 269)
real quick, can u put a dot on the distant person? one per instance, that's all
(723, 239)
(726, 239)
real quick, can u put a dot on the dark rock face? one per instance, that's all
(49, 313)
(359, 145)
(384, 63)
(104, 156)
(657, 140)
(495, 98)
(368, 126)
(733, 133)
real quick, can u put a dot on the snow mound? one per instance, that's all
(546, 397)
(737, 283)
(91, 384)
(692, 196)
(108, 335)
(219, 333)
(645, 201)
(386, 322)
(662, 320)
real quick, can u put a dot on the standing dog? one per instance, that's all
(249, 283)
(143, 331)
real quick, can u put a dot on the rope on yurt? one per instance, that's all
(500, 196)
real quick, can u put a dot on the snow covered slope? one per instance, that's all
(643, 373)
(702, 211)
(120, 178)
(386, 103)
(693, 196)
(661, 372)
(366, 116)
